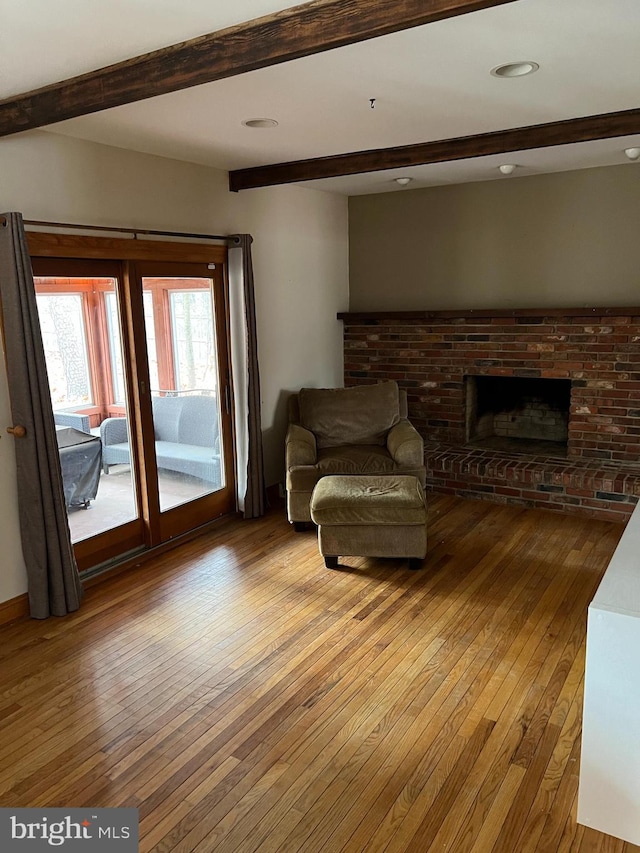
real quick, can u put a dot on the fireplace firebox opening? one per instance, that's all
(518, 414)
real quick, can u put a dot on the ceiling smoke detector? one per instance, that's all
(260, 122)
(515, 69)
(507, 168)
(632, 153)
(403, 181)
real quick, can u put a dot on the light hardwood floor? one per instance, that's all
(245, 698)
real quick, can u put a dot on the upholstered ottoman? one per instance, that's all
(370, 516)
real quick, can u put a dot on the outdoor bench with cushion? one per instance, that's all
(186, 437)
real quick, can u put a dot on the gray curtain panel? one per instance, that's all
(254, 498)
(54, 584)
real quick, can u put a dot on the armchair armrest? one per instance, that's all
(300, 446)
(405, 445)
(114, 431)
(72, 419)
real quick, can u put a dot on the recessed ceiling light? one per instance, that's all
(260, 122)
(507, 168)
(632, 153)
(403, 181)
(515, 69)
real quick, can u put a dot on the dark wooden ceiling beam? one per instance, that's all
(290, 34)
(583, 129)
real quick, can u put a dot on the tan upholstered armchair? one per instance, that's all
(358, 430)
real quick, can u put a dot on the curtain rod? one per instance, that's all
(134, 231)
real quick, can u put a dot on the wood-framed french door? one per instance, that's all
(136, 342)
(189, 463)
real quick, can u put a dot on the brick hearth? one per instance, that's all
(430, 353)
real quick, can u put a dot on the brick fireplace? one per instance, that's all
(448, 361)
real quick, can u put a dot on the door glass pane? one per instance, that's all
(83, 351)
(194, 349)
(65, 346)
(115, 347)
(152, 354)
(185, 392)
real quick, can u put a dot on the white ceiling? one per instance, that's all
(431, 82)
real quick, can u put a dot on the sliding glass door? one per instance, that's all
(140, 386)
(185, 340)
(80, 318)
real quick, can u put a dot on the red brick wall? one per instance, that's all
(430, 353)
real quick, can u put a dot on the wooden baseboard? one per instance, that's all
(14, 608)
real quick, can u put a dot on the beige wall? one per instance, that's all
(300, 254)
(562, 240)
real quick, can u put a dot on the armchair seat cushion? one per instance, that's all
(118, 454)
(358, 459)
(355, 459)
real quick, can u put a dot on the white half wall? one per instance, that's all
(609, 792)
(300, 255)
